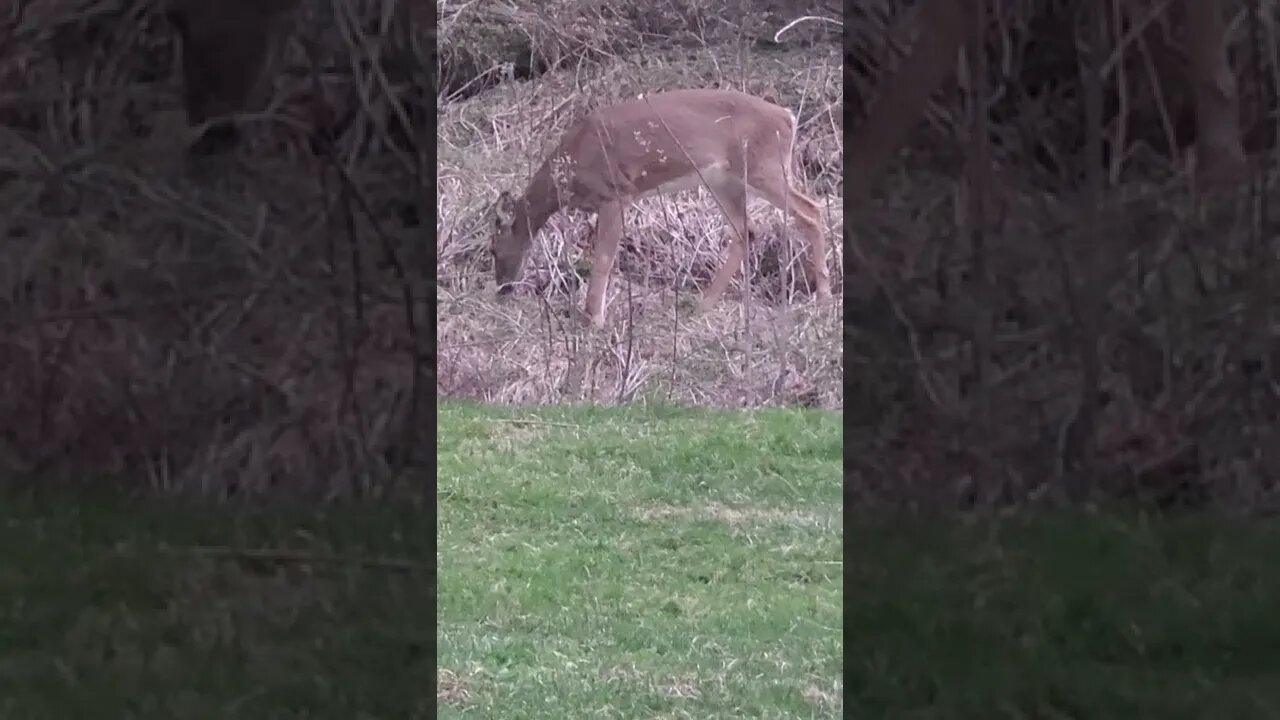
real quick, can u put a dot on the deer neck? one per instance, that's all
(538, 203)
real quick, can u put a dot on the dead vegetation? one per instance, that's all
(1069, 294)
(237, 324)
(765, 343)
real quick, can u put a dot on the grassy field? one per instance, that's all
(639, 563)
(1085, 616)
(632, 563)
(647, 563)
(119, 610)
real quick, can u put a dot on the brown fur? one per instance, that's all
(665, 142)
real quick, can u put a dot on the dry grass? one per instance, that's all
(482, 42)
(764, 344)
(221, 326)
(967, 383)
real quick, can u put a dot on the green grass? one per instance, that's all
(1068, 616)
(109, 610)
(639, 563)
(634, 563)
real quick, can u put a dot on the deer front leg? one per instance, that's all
(808, 217)
(733, 203)
(608, 235)
(722, 277)
(818, 261)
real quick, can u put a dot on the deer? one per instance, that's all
(733, 143)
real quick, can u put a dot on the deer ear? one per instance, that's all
(504, 210)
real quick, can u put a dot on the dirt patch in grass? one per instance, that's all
(734, 517)
(825, 698)
(452, 688)
(685, 688)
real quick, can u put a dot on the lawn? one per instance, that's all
(115, 609)
(639, 563)
(648, 563)
(1107, 615)
(631, 563)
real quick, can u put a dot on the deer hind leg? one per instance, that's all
(732, 200)
(608, 236)
(806, 214)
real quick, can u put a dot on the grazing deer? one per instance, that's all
(667, 142)
(230, 53)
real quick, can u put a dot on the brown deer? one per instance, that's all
(730, 142)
